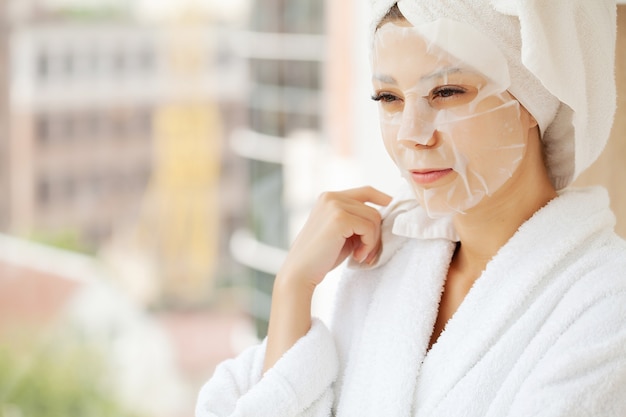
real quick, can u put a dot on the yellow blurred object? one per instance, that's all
(180, 217)
(180, 221)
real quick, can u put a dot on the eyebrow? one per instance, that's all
(441, 73)
(388, 79)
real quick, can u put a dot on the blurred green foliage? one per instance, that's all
(68, 240)
(62, 380)
(93, 14)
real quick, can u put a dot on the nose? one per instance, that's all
(417, 125)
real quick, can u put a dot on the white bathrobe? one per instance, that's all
(541, 333)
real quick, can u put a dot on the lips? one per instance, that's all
(429, 176)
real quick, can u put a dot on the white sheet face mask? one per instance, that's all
(447, 119)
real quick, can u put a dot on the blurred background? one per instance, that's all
(157, 157)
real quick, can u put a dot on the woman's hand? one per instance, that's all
(341, 224)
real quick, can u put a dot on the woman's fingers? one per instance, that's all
(341, 224)
(365, 195)
(360, 230)
(359, 221)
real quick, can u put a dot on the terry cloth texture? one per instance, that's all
(541, 332)
(561, 56)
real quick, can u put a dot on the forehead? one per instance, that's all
(401, 38)
(402, 50)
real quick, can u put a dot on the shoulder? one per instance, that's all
(600, 263)
(592, 309)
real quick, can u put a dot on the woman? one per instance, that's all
(488, 288)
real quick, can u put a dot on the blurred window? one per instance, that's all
(67, 126)
(305, 74)
(146, 59)
(303, 121)
(43, 191)
(267, 122)
(290, 100)
(91, 124)
(43, 65)
(223, 57)
(118, 126)
(305, 16)
(139, 123)
(92, 59)
(118, 60)
(42, 129)
(144, 118)
(302, 74)
(266, 71)
(67, 64)
(83, 62)
(266, 16)
(95, 185)
(69, 188)
(51, 128)
(104, 123)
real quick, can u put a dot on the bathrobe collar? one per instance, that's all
(386, 367)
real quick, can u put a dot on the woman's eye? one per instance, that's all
(384, 97)
(446, 92)
(447, 96)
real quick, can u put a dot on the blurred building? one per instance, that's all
(111, 127)
(285, 49)
(82, 103)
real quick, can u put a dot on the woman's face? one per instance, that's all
(455, 133)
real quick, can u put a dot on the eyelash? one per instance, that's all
(444, 92)
(385, 97)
